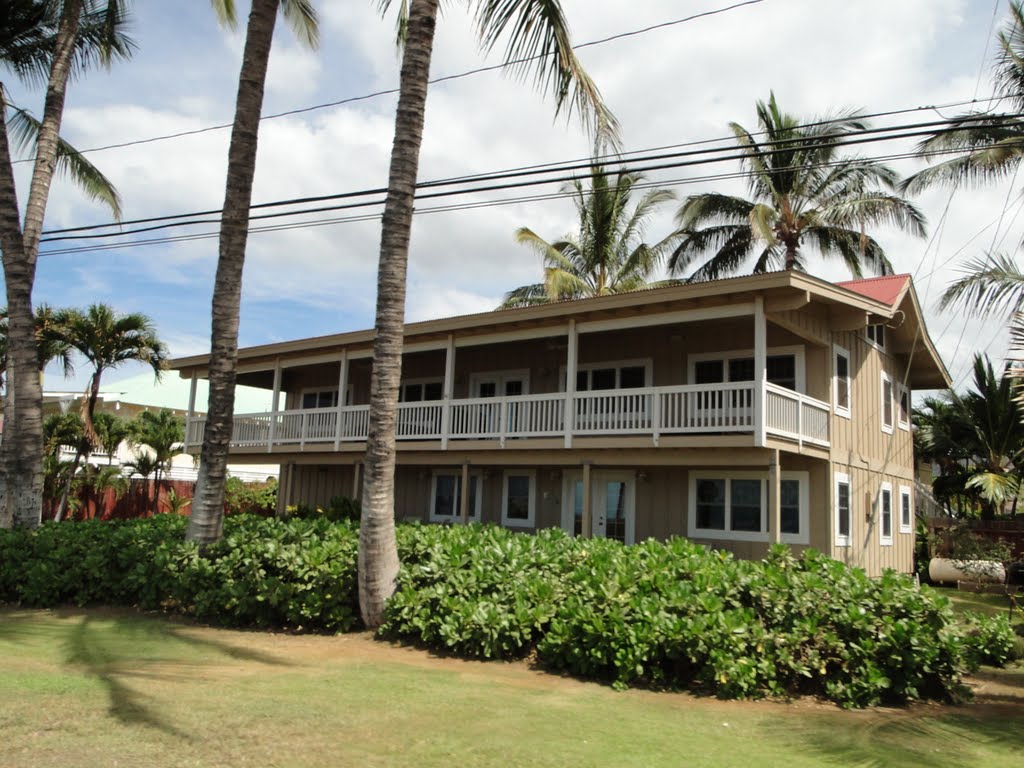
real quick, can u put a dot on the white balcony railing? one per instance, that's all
(655, 411)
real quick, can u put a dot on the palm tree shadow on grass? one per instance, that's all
(106, 659)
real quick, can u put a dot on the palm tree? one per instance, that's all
(40, 40)
(608, 254)
(110, 432)
(49, 343)
(539, 42)
(162, 432)
(803, 194)
(977, 440)
(107, 340)
(206, 521)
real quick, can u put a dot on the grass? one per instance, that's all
(106, 688)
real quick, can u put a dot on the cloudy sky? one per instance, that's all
(668, 86)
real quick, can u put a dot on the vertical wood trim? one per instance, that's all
(587, 521)
(449, 389)
(464, 496)
(342, 389)
(570, 384)
(274, 405)
(775, 499)
(760, 363)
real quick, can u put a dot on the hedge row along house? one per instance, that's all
(736, 412)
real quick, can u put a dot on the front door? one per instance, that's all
(612, 498)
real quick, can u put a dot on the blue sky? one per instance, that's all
(672, 85)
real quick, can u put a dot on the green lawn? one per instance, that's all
(105, 688)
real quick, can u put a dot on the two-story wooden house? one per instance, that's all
(737, 412)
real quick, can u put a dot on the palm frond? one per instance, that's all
(874, 208)
(525, 296)
(712, 208)
(992, 284)
(302, 17)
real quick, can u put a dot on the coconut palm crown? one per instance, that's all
(804, 194)
(607, 254)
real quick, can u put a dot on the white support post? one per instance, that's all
(274, 405)
(656, 417)
(570, 383)
(356, 471)
(774, 499)
(464, 496)
(760, 365)
(587, 519)
(191, 410)
(503, 419)
(342, 390)
(449, 388)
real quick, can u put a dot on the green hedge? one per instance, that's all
(667, 614)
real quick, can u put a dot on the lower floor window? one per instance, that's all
(735, 506)
(518, 498)
(446, 497)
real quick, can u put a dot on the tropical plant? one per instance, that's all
(538, 42)
(977, 440)
(206, 521)
(110, 432)
(987, 148)
(162, 432)
(40, 40)
(175, 503)
(804, 194)
(107, 340)
(50, 345)
(93, 483)
(607, 254)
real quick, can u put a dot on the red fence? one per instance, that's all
(136, 502)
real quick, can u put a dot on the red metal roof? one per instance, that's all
(884, 289)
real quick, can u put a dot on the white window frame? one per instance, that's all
(647, 363)
(456, 517)
(797, 350)
(423, 382)
(903, 424)
(905, 493)
(500, 377)
(318, 390)
(843, 411)
(842, 478)
(871, 341)
(886, 379)
(763, 535)
(531, 503)
(885, 541)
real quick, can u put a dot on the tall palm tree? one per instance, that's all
(162, 432)
(804, 194)
(538, 42)
(206, 521)
(976, 438)
(608, 254)
(50, 345)
(111, 431)
(107, 340)
(46, 40)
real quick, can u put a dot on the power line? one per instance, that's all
(644, 164)
(392, 91)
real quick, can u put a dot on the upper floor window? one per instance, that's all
(320, 398)
(631, 374)
(876, 335)
(783, 366)
(903, 411)
(841, 382)
(419, 390)
(886, 404)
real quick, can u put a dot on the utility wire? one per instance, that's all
(645, 164)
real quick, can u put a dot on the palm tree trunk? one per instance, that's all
(156, 491)
(206, 522)
(21, 476)
(378, 555)
(21, 452)
(66, 493)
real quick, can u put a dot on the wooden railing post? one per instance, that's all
(274, 405)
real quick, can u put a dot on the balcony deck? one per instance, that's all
(652, 411)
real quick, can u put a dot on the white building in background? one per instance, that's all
(128, 397)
